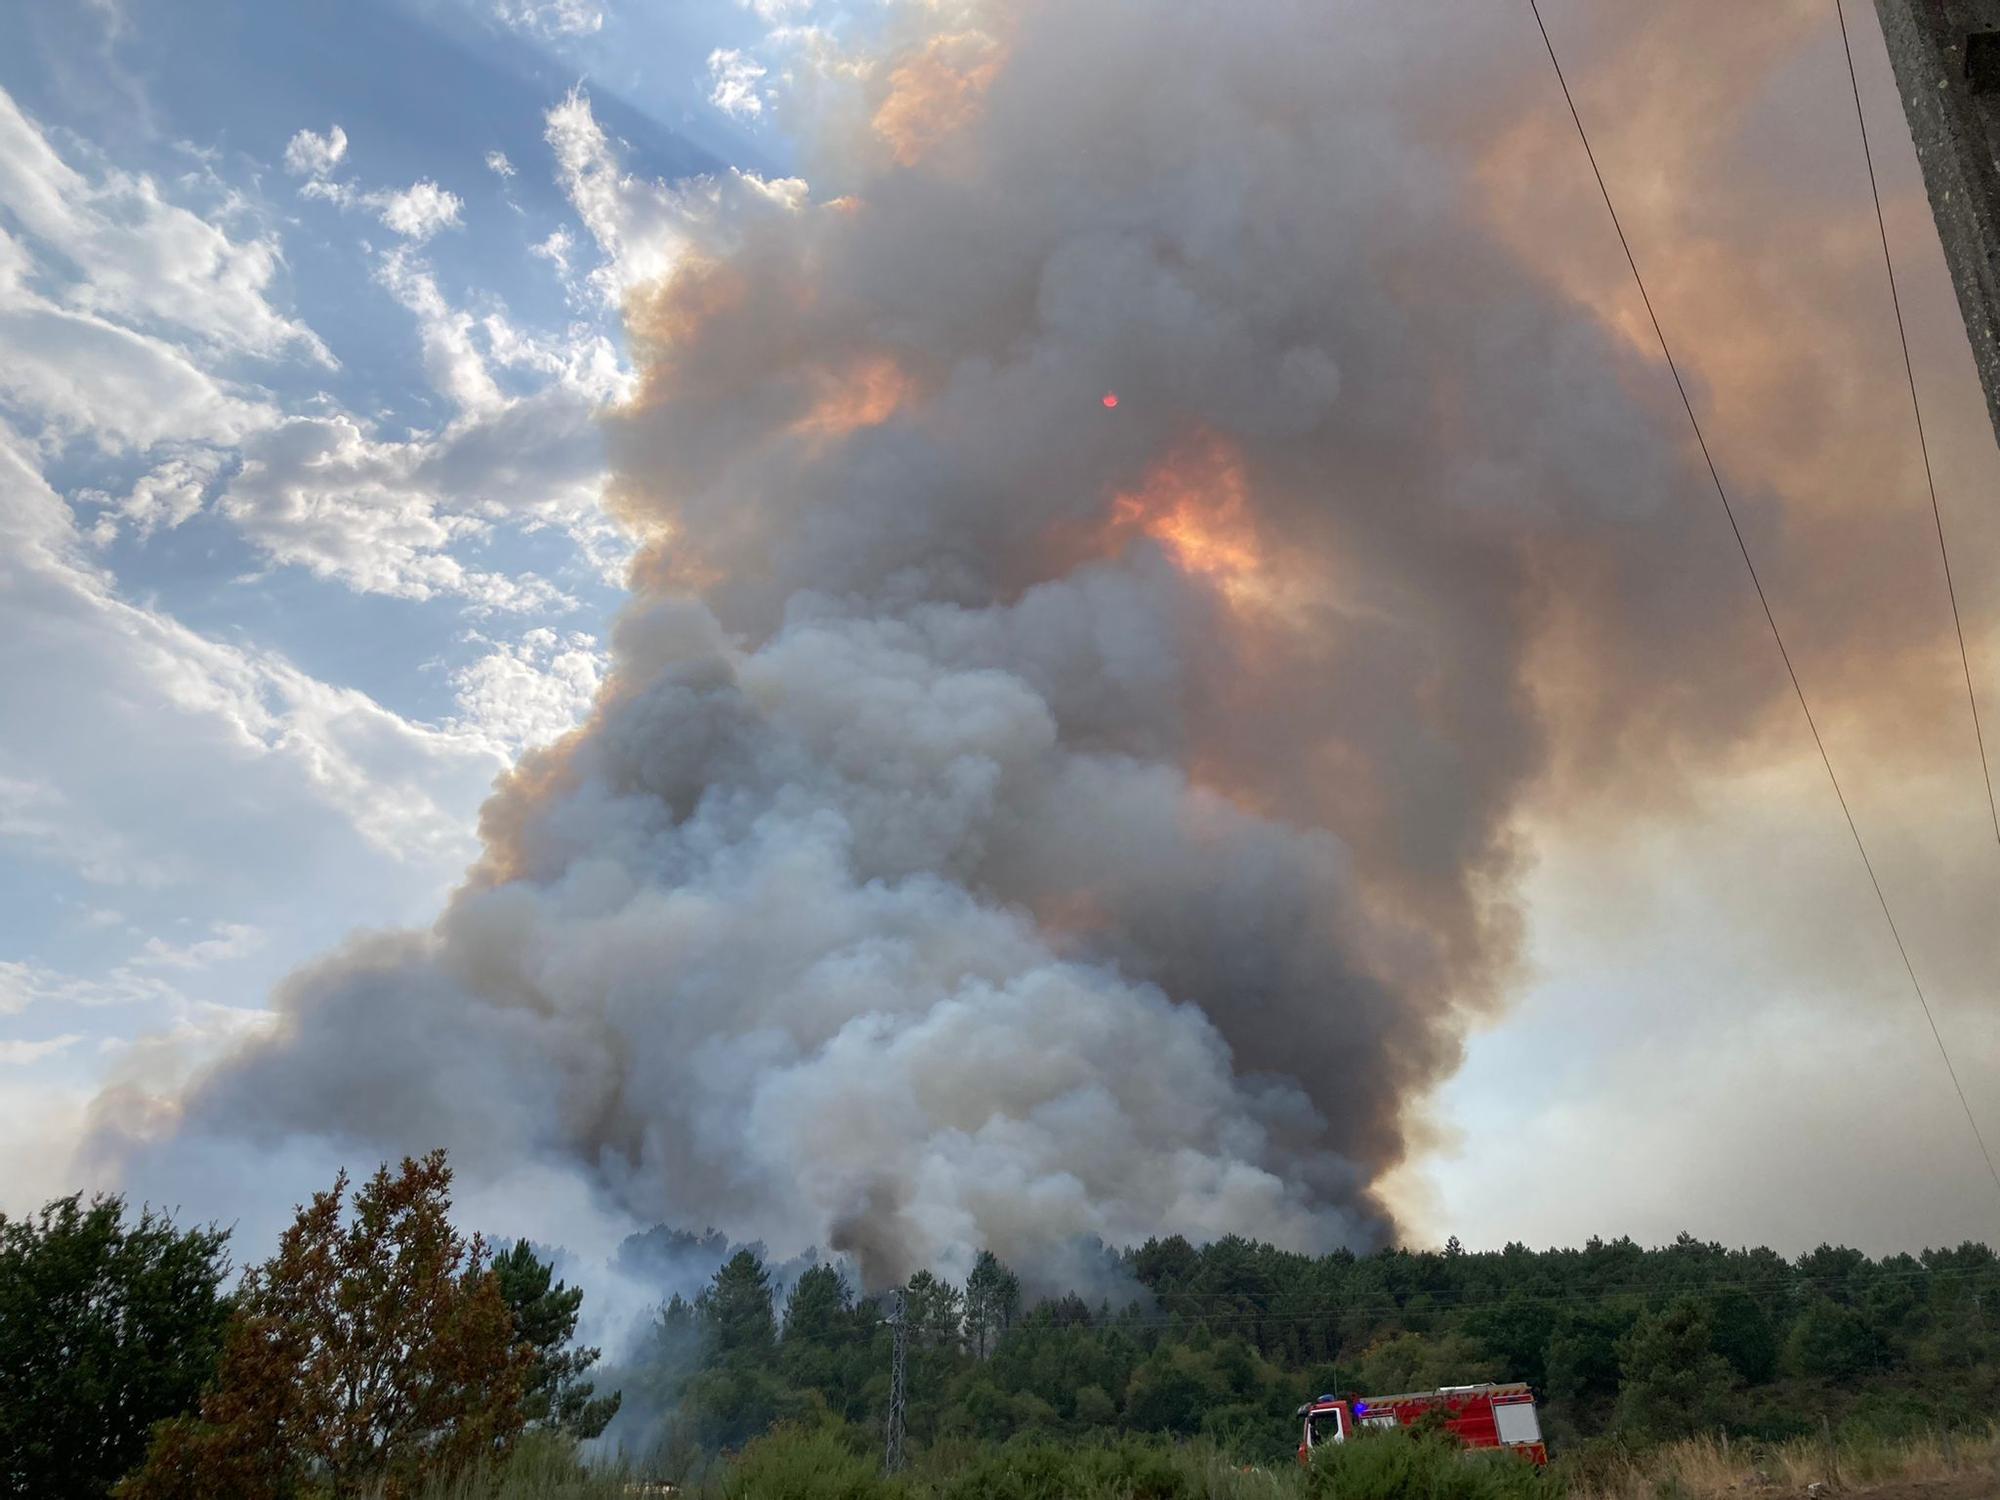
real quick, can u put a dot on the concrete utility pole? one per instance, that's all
(1947, 59)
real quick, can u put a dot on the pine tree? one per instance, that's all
(738, 1391)
(555, 1393)
(935, 1309)
(819, 1309)
(1673, 1382)
(737, 1308)
(992, 1302)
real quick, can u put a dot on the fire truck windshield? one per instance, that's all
(1325, 1427)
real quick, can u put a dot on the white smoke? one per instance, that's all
(751, 980)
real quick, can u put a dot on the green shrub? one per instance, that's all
(1130, 1468)
(800, 1463)
(1395, 1466)
(821, 1464)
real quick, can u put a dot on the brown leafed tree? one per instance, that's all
(372, 1350)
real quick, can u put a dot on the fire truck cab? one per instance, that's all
(1479, 1416)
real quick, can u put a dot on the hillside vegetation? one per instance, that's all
(382, 1353)
(1625, 1346)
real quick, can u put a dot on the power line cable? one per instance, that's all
(1917, 411)
(1729, 510)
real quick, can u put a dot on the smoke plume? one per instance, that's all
(1012, 814)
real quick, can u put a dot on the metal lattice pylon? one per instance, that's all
(892, 1458)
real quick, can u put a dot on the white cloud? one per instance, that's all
(734, 87)
(79, 376)
(192, 740)
(39, 821)
(16, 1054)
(310, 155)
(114, 303)
(319, 493)
(226, 941)
(303, 806)
(115, 250)
(420, 210)
(642, 227)
(23, 985)
(497, 163)
(172, 492)
(552, 18)
(382, 515)
(638, 225)
(168, 495)
(451, 357)
(530, 691)
(580, 363)
(416, 212)
(555, 250)
(206, 777)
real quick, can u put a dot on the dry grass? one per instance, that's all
(1700, 1468)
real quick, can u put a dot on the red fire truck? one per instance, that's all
(1479, 1416)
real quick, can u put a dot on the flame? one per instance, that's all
(1196, 505)
(864, 394)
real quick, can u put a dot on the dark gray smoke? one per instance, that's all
(1013, 817)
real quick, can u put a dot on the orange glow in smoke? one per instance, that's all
(1196, 504)
(1068, 919)
(934, 92)
(864, 394)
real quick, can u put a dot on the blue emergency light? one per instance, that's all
(1361, 1408)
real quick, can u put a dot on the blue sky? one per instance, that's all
(301, 483)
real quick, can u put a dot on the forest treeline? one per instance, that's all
(1224, 1340)
(380, 1348)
